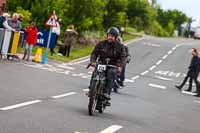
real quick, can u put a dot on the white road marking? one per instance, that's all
(79, 62)
(85, 90)
(163, 78)
(134, 40)
(197, 101)
(160, 61)
(74, 74)
(151, 44)
(144, 73)
(153, 67)
(111, 129)
(129, 80)
(67, 72)
(63, 95)
(164, 57)
(86, 77)
(48, 65)
(44, 68)
(20, 105)
(80, 132)
(157, 86)
(189, 93)
(162, 72)
(134, 78)
(34, 66)
(173, 74)
(174, 48)
(169, 52)
(66, 67)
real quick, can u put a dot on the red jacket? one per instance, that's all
(31, 35)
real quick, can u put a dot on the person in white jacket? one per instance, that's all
(57, 31)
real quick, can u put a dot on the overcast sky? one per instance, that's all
(190, 7)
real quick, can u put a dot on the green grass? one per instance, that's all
(74, 54)
(129, 36)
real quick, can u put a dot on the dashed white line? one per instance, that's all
(79, 62)
(144, 73)
(164, 57)
(160, 61)
(174, 48)
(167, 79)
(80, 132)
(48, 65)
(189, 93)
(169, 52)
(111, 129)
(129, 80)
(20, 105)
(153, 67)
(134, 78)
(86, 77)
(85, 90)
(157, 86)
(63, 95)
(197, 102)
(66, 67)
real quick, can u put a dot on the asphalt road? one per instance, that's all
(51, 98)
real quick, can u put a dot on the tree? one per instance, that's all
(142, 11)
(115, 13)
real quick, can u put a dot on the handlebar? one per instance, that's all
(90, 64)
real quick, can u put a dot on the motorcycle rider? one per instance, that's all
(112, 49)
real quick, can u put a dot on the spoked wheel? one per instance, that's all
(92, 105)
(92, 101)
(100, 105)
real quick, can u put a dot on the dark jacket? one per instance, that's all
(194, 65)
(114, 51)
(128, 56)
(69, 37)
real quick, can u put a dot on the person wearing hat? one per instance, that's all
(68, 39)
(110, 49)
(4, 22)
(14, 22)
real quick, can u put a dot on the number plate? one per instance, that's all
(101, 68)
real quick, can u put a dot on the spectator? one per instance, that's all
(57, 31)
(14, 22)
(4, 21)
(68, 39)
(31, 39)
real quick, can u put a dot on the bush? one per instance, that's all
(156, 29)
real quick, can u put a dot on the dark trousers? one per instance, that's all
(122, 74)
(52, 49)
(67, 50)
(191, 76)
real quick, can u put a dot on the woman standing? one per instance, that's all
(31, 39)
